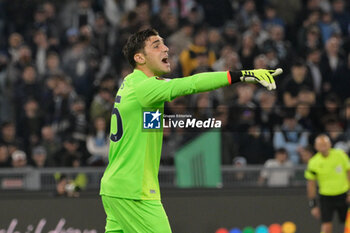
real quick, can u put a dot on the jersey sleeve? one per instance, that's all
(155, 90)
(346, 159)
(310, 173)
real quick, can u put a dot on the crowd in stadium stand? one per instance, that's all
(61, 64)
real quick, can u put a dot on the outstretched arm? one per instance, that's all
(156, 90)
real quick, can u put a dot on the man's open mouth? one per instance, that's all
(165, 60)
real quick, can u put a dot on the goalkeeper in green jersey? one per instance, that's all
(129, 186)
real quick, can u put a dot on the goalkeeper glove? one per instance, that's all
(262, 76)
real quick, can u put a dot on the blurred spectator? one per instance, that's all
(28, 87)
(50, 143)
(272, 60)
(335, 132)
(69, 155)
(59, 105)
(72, 36)
(313, 59)
(310, 7)
(305, 117)
(306, 95)
(331, 109)
(306, 153)
(78, 124)
(246, 14)
(329, 27)
(229, 145)
(100, 35)
(16, 67)
(293, 83)
(18, 159)
(14, 43)
(195, 14)
(189, 57)
(267, 115)
(291, 136)
(203, 64)
(243, 108)
(310, 39)
(108, 81)
(332, 61)
(229, 60)
(182, 38)
(253, 147)
(97, 143)
(52, 23)
(215, 41)
(288, 10)
(278, 171)
(77, 14)
(341, 15)
(39, 157)
(102, 105)
(40, 50)
(40, 23)
(8, 136)
(203, 106)
(258, 32)
(239, 163)
(114, 10)
(5, 90)
(5, 159)
(248, 51)
(126, 70)
(277, 43)
(80, 62)
(143, 11)
(53, 65)
(166, 21)
(30, 124)
(270, 17)
(260, 62)
(231, 35)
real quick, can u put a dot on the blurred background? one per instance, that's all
(61, 65)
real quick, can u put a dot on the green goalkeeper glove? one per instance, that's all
(262, 76)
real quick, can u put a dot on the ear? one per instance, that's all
(140, 58)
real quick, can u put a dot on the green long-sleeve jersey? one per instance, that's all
(134, 152)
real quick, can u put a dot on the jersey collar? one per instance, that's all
(140, 74)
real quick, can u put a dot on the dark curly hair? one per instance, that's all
(136, 43)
